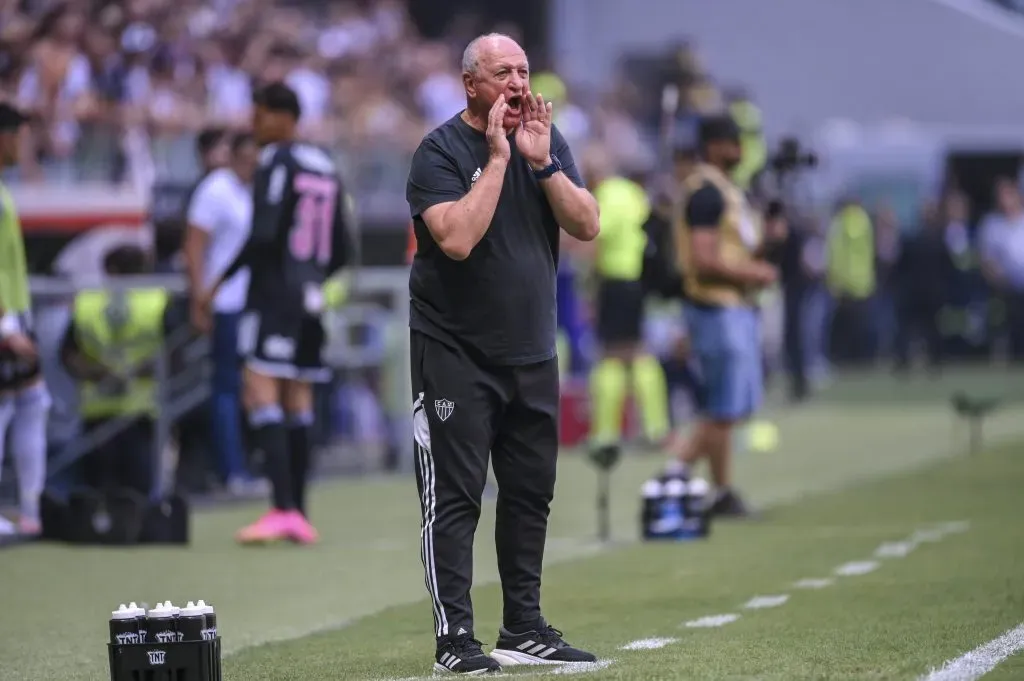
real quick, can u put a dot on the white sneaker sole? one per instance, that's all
(440, 669)
(511, 658)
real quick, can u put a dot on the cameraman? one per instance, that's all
(799, 262)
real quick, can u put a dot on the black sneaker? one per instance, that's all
(728, 504)
(463, 654)
(543, 645)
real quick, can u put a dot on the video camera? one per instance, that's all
(777, 187)
(791, 156)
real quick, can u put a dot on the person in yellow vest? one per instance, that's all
(755, 150)
(24, 398)
(111, 348)
(851, 281)
(624, 367)
(723, 244)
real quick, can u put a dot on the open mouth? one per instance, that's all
(515, 103)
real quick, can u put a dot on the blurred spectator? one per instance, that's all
(1001, 245)
(56, 86)
(797, 280)
(111, 347)
(816, 303)
(920, 281)
(851, 280)
(219, 216)
(887, 252)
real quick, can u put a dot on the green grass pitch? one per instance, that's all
(875, 464)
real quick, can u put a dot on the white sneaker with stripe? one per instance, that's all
(543, 645)
(464, 655)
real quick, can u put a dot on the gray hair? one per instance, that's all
(471, 56)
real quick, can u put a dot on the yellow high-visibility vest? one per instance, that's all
(122, 332)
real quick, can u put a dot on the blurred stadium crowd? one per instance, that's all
(121, 90)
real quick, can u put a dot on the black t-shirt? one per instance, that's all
(500, 301)
(300, 228)
(705, 207)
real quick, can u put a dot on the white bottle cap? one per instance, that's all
(162, 611)
(652, 489)
(135, 608)
(675, 488)
(207, 609)
(192, 610)
(699, 487)
(123, 612)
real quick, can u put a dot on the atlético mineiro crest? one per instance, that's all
(156, 656)
(444, 408)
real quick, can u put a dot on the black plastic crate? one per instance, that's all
(181, 661)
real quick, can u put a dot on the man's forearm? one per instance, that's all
(738, 273)
(575, 208)
(468, 219)
(194, 248)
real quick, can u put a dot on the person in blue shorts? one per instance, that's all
(723, 249)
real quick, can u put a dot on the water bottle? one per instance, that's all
(211, 620)
(160, 624)
(124, 628)
(670, 520)
(140, 619)
(696, 503)
(192, 623)
(650, 511)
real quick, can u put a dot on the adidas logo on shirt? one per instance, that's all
(476, 176)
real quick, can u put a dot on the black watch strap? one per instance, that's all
(554, 167)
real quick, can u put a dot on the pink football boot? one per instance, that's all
(273, 526)
(300, 530)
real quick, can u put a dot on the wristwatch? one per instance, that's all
(545, 173)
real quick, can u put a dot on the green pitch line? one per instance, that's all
(369, 560)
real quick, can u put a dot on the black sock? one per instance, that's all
(298, 451)
(269, 437)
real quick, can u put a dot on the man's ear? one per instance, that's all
(469, 84)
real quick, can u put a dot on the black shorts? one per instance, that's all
(620, 311)
(283, 344)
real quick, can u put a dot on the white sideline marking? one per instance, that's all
(939, 531)
(761, 602)
(859, 567)
(814, 583)
(581, 667)
(929, 536)
(649, 644)
(895, 549)
(954, 526)
(980, 661)
(712, 621)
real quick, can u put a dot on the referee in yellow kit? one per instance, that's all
(624, 367)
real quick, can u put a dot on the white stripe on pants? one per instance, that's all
(428, 502)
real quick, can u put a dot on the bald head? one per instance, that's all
(494, 66)
(485, 46)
